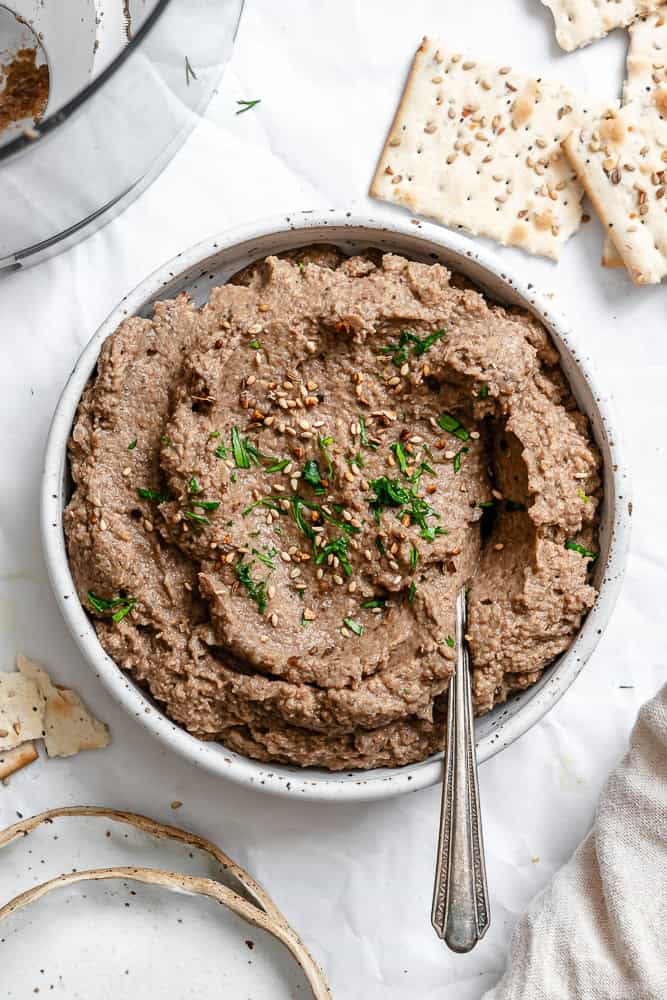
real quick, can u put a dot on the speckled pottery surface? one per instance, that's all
(211, 263)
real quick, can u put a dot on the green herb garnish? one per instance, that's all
(380, 546)
(453, 426)
(337, 548)
(400, 349)
(132, 445)
(240, 450)
(311, 475)
(121, 606)
(324, 444)
(483, 392)
(576, 547)
(247, 105)
(401, 458)
(193, 486)
(256, 591)
(457, 459)
(301, 266)
(199, 518)
(583, 496)
(152, 495)
(221, 451)
(363, 435)
(354, 626)
(450, 642)
(266, 559)
(356, 460)
(301, 523)
(375, 602)
(255, 344)
(278, 466)
(206, 504)
(414, 557)
(412, 590)
(270, 502)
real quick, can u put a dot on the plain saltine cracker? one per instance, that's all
(646, 82)
(622, 162)
(477, 147)
(581, 21)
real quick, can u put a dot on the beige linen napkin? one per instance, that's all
(599, 929)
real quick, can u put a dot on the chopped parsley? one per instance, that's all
(483, 392)
(338, 549)
(132, 445)
(576, 547)
(164, 439)
(193, 486)
(414, 557)
(390, 493)
(363, 435)
(453, 426)
(354, 626)
(324, 444)
(412, 590)
(214, 434)
(266, 559)
(256, 591)
(120, 606)
(399, 350)
(380, 545)
(583, 496)
(247, 105)
(486, 503)
(357, 460)
(270, 502)
(278, 466)
(240, 450)
(374, 602)
(430, 534)
(401, 458)
(311, 475)
(221, 451)
(450, 642)
(198, 518)
(155, 495)
(206, 504)
(301, 266)
(458, 458)
(255, 344)
(302, 524)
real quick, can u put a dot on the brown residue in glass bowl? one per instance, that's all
(25, 91)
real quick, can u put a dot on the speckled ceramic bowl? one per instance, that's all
(212, 263)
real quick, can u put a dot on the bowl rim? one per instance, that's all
(313, 784)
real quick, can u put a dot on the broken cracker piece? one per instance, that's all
(17, 758)
(646, 82)
(579, 22)
(68, 725)
(622, 162)
(21, 711)
(477, 147)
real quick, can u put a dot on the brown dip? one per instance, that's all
(278, 497)
(24, 89)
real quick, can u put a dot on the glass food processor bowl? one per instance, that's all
(96, 96)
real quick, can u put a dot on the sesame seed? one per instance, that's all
(274, 620)
(286, 557)
(338, 579)
(352, 587)
(251, 379)
(271, 591)
(127, 470)
(309, 614)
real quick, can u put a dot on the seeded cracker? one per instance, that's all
(14, 760)
(21, 711)
(646, 82)
(68, 725)
(579, 22)
(622, 162)
(478, 147)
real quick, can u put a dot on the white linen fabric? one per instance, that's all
(598, 929)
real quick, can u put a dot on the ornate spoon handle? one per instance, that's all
(460, 911)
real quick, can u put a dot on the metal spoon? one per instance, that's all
(460, 911)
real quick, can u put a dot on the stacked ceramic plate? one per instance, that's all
(101, 903)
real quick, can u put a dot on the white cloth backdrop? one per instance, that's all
(356, 880)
